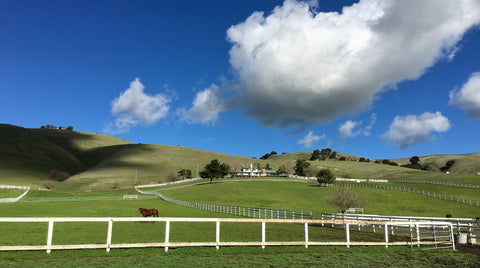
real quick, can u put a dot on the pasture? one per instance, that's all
(278, 194)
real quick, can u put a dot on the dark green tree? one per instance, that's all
(315, 155)
(414, 160)
(325, 176)
(215, 170)
(185, 173)
(448, 165)
(300, 167)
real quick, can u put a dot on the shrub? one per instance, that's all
(325, 176)
(58, 175)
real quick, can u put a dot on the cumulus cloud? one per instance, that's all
(299, 66)
(310, 139)
(408, 130)
(347, 129)
(133, 107)
(468, 96)
(206, 106)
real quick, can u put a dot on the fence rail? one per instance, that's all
(14, 199)
(443, 240)
(464, 185)
(408, 189)
(460, 225)
(250, 212)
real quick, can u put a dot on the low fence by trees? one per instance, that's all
(420, 233)
(407, 189)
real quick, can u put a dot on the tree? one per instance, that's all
(267, 166)
(310, 171)
(172, 176)
(448, 165)
(215, 170)
(315, 155)
(344, 199)
(300, 166)
(414, 160)
(185, 173)
(69, 128)
(333, 155)
(325, 176)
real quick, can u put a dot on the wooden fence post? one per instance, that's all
(263, 234)
(217, 234)
(306, 234)
(109, 234)
(49, 236)
(347, 234)
(167, 234)
(386, 235)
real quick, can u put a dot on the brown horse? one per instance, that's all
(148, 212)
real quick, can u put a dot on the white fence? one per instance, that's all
(438, 240)
(464, 185)
(251, 212)
(460, 225)
(14, 199)
(407, 189)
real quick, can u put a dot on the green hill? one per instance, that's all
(96, 161)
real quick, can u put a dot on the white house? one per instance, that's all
(250, 171)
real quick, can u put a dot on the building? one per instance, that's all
(250, 171)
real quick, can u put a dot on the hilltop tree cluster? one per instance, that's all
(323, 154)
(266, 156)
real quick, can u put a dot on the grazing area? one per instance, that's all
(101, 171)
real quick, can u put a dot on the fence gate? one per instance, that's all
(431, 236)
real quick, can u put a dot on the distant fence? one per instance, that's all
(251, 212)
(439, 183)
(408, 189)
(460, 225)
(420, 232)
(14, 199)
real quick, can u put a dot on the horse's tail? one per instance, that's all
(156, 213)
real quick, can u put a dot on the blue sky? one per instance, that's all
(379, 80)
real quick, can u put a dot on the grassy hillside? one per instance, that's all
(28, 155)
(100, 162)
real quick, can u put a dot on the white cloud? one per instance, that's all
(468, 97)
(133, 107)
(298, 66)
(408, 130)
(346, 130)
(206, 106)
(310, 139)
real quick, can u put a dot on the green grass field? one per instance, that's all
(281, 193)
(99, 163)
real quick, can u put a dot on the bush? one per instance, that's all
(325, 176)
(58, 175)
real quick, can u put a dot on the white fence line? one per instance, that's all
(460, 225)
(438, 183)
(435, 240)
(14, 199)
(410, 190)
(251, 212)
